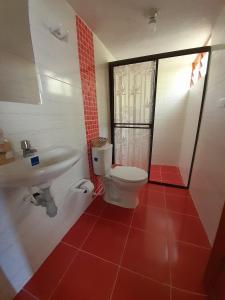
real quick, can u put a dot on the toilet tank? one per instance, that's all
(102, 159)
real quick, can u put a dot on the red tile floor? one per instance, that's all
(166, 174)
(158, 251)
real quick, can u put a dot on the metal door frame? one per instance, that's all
(156, 58)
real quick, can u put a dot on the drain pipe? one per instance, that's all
(42, 197)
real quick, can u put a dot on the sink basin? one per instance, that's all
(53, 163)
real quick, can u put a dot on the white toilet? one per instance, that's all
(121, 184)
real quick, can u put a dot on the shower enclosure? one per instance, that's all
(133, 113)
(155, 115)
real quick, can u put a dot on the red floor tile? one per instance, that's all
(187, 229)
(150, 219)
(188, 264)
(107, 240)
(172, 178)
(176, 191)
(155, 176)
(44, 281)
(147, 254)
(155, 168)
(23, 295)
(130, 286)
(170, 169)
(96, 206)
(118, 214)
(80, 230)
(183, 295)
(181, 204)
(154, 198)
(88, 278)
(154, 187)
(164, 220)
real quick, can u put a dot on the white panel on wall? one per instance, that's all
(207, 184)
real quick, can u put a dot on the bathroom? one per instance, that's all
(56, 92)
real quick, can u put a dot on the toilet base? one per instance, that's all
(131, 203)
(121, 193)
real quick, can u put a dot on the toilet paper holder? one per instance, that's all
(83, 186)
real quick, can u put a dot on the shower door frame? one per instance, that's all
(156, 58)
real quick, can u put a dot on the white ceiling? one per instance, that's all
(122, 25)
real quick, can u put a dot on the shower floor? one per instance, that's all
(157, 251)
(166, 174)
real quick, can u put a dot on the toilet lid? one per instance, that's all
(129, 174)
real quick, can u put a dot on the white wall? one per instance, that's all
(27, 234)
(102, 57)
(193, 102)
(208, 179)
(173, 82)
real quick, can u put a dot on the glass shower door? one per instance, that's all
(133, 113)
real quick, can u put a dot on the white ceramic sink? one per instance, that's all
(53, 163)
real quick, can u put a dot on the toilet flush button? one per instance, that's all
(221, 103)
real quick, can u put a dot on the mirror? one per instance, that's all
(18, 77)
(178, 103)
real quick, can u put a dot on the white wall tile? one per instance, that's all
(59, 120)
(194, 99)
(102, 57)
(172, 86)
(207, 184)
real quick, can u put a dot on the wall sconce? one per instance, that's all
(153, 14)
(59, 32)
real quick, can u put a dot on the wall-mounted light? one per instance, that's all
(58, 31)
(153, 14)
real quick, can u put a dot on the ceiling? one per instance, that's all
(122, 25)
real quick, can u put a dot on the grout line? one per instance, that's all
(162, 235)
(90, 231)
(100, 258)
(182, 214)
(146, 277)
(167, 241)
(70, 245)
(121, 258)
(92, 228)
(117, 222)
(114, 284)
(110, 220)
(63, 275)
(188, 291)
(164, 208)
(29, 293)
(148, 232)
(119, 266)
(165, 237)
(194, 245)
(92, 254)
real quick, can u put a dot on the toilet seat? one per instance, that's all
(128, 174)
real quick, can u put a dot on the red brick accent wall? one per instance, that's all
(88, 82)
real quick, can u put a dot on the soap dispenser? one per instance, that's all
(6, 153)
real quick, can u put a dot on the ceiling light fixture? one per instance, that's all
(153, 14)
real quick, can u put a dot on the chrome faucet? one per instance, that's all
(27, 149)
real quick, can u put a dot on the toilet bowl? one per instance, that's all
(121, 183)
